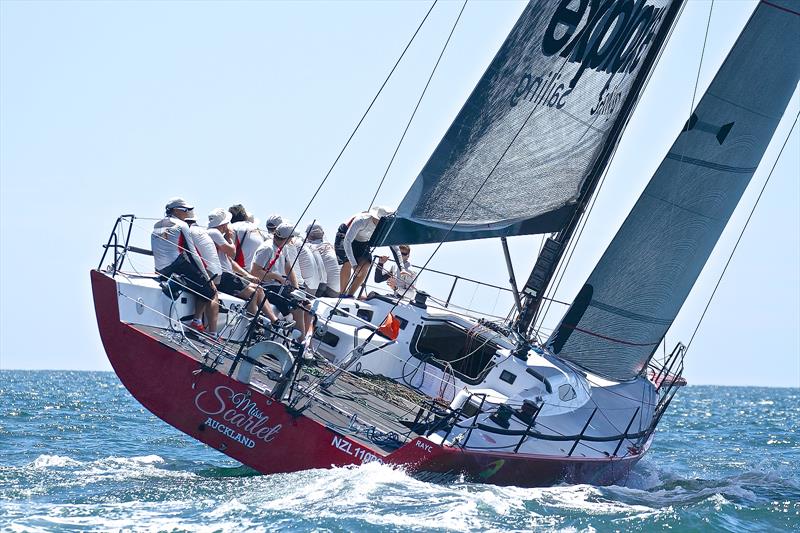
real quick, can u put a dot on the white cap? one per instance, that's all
(273, 221)
(315, 231)
(217, 217)
(284, 230)
(378, 211)
(172, 203)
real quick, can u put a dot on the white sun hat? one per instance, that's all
(217, 217)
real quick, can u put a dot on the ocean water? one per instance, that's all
(78, 453)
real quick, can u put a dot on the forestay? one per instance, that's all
(636, 290)
(514, 160)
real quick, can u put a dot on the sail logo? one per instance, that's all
(610, 36)
(614, 38)
(242, 420)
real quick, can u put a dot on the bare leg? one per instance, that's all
(200, 305)
(212, 314)
(344, 276)
(309, 321)
(299, 315)
(361, 275)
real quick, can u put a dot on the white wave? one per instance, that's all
(680, 495)
(54, 461)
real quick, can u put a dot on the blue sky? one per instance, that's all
(113, 107)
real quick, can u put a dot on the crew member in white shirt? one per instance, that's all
(352, 248)
(234, 280)
(316, 236)
(175, 252)
(270, 266)
(311, 271)
(247, 236)
(400, 281)
(205, 249)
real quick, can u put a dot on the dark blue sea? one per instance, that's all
(78, 453)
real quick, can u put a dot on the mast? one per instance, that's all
(554, 246)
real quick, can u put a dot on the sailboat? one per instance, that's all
(412, 381)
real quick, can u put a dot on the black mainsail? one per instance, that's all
(517, 156)
(634, 293)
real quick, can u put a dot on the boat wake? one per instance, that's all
(60, 492)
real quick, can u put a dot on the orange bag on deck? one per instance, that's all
(390, 327)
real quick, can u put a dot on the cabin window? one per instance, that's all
(470, 356)
(508, 377)
(364, 314)
(403, 322)
(566, 392)
(328, 338)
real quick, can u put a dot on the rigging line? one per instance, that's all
(361, 120)
(562, 267)
(738, 240)
(350, 138)
(466, 207)
(416, 107)
(461, 215)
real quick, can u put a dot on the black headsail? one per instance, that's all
(517, 156)
(634, 293)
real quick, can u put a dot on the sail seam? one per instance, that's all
(678, 206)
(611, 339)
(770, 4)
(629, 314)
(708, 164)
(744, 108)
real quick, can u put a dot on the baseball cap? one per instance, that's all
(273, 221)
(378, 211)
(284, 230)
(315, 231)
(172, 203)
(218, 217)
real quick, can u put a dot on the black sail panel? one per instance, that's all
(647, 271)
(535, 125)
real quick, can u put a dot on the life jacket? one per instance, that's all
(238, 258)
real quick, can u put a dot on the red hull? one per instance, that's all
(260, 433)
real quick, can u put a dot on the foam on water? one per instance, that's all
(95, 460)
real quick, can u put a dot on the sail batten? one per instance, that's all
(516, 158)
(656, 256)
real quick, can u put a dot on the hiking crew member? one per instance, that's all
(234, 280)
(331, 287)
(270, 266)
(247, 236)
(175, 252)
(312, 271)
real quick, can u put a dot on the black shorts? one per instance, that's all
(278, 296)
(360, 249)
(231, 284)
(196, 280)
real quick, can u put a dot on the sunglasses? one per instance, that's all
(184, 209)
